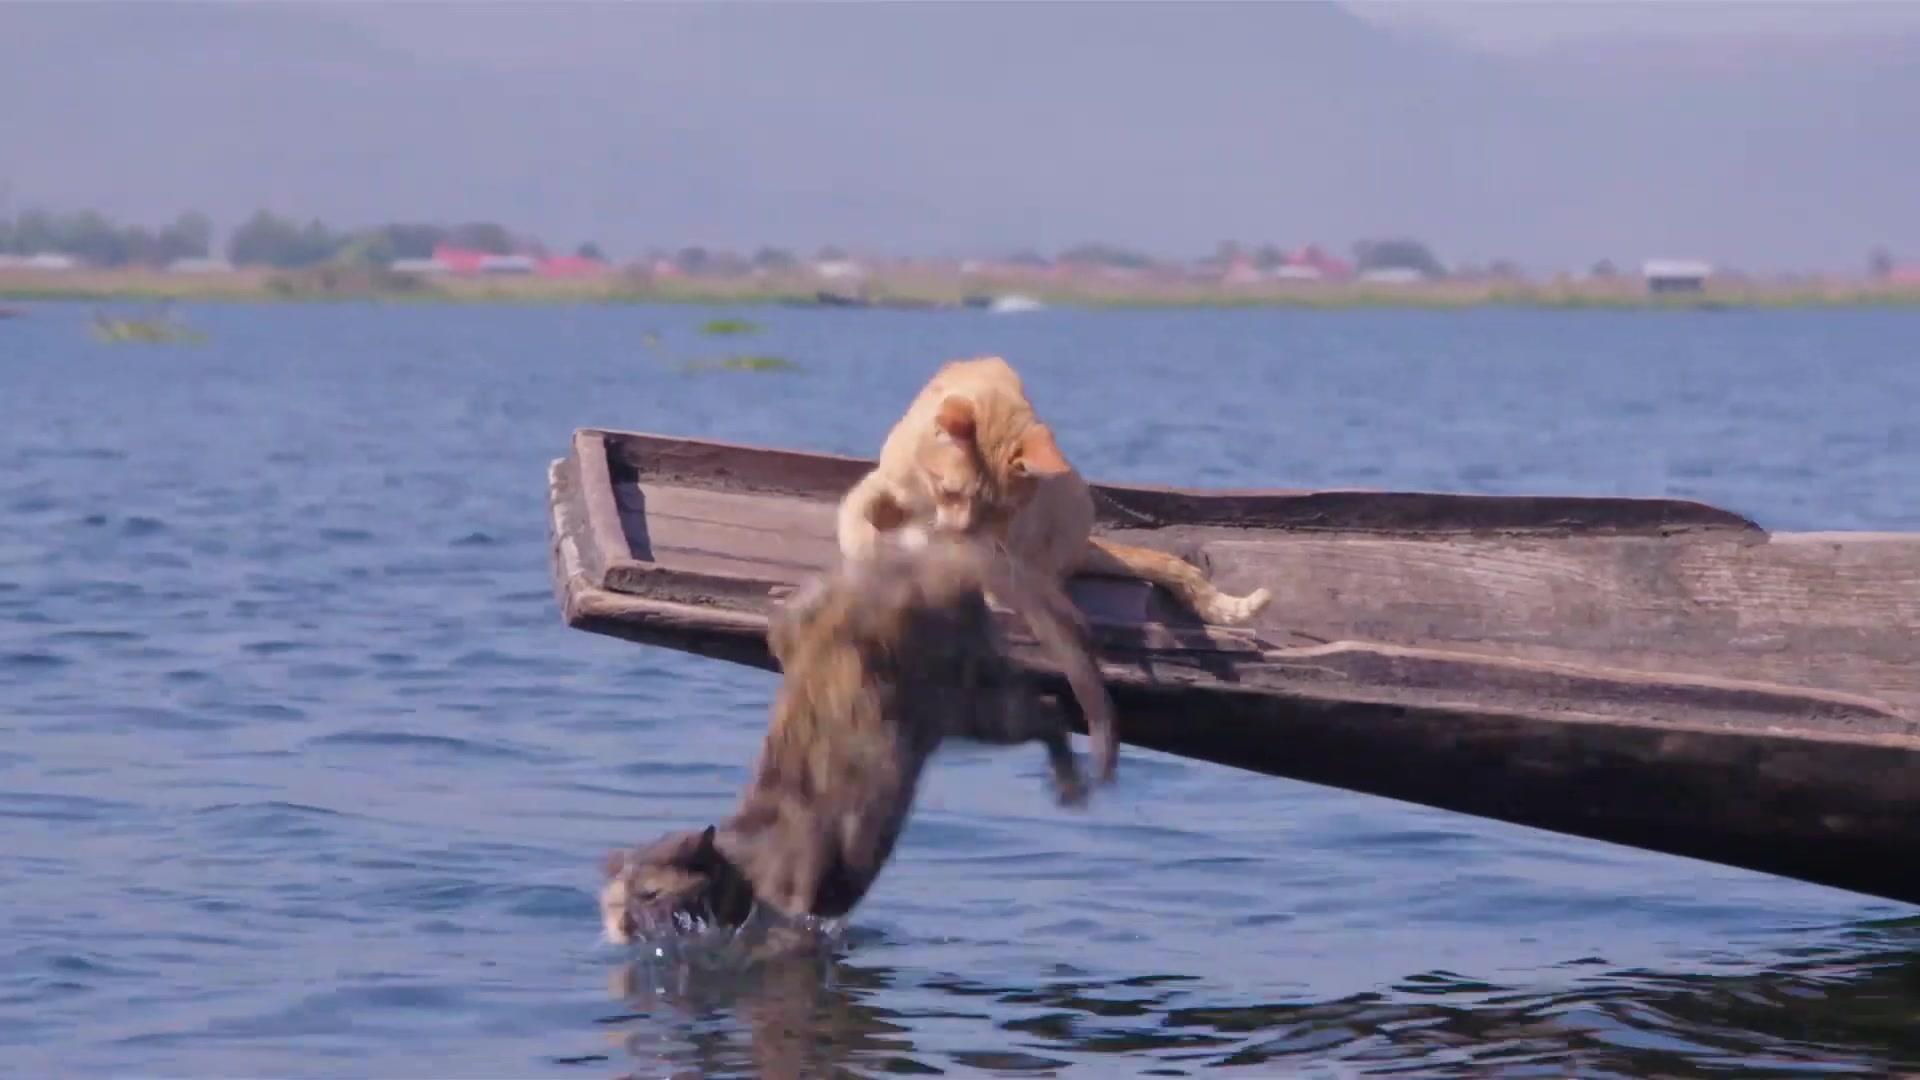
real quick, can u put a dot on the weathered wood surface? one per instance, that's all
(1652, 672)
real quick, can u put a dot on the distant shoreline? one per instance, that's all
(911, 290)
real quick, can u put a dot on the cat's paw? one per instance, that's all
(1071, 791)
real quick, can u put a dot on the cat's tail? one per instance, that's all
(1062, 631)
(1176, 575)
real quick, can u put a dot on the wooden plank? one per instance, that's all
(1371, 673)
(703, 521)
(1832, 811)
(604, 531)
(1354, 670)
(1532, 597)
(1807, 611)
(571, 571)
(1656, 588)
(812, 518)
(1893, 683)
(674, 462)
(1409, 512)
(778, 541)
(796, 536)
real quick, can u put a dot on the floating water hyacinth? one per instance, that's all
(747, 362)
(725, 327)
(157, 330)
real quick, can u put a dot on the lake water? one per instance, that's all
(302, 776)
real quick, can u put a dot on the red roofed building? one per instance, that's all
(458, 260)
(1313, 258)
(570, 266)
(1240, 272)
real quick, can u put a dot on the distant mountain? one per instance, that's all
(958, 128)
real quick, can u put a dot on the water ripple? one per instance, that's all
(302, 774)
(431, 746)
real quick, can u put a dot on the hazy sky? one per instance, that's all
(1526, 24)
(1554, 133)
(495, 29)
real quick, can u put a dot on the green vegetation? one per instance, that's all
(745, 362)
(346, 282)
(728, 327)
(157, 330)
(1095, 255)
(266, 239)
(1397, 253)
(103, 242)
(263, 240)
(280, 259)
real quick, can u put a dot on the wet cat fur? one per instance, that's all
(882, 659)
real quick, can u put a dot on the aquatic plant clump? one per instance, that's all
(745, 362)
(729, 327)
(159, 330)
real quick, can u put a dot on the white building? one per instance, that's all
(1393, 275)
(1675, 275)
(418, 266)
(195, 264)
(507, 264)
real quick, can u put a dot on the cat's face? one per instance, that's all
(978, 487)
(962, 488)
(659, 888)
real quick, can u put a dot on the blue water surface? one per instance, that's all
(301, 774)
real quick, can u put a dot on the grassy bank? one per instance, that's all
(921, 287)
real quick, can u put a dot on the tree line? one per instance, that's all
(265, 239)
(272, 240)
(1389, 253)
(103, 242)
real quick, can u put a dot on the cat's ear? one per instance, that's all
(704, 853)
(955, 418)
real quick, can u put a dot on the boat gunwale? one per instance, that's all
(1815, 803)
(727, 466)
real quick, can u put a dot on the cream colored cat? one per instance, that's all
(971, 455)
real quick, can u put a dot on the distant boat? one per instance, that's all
(829, 298)
(1007, 305)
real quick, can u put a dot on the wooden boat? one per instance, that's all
(830, 298)
(1651, 672)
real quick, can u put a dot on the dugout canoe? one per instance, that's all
(1657, 673)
